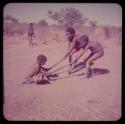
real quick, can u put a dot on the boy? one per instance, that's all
(37, 70)
(30, 34)
(82, 44)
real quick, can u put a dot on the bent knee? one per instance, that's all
(101, 53)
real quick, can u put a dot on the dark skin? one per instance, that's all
(31, 34)
(37, 70)
(95, 48)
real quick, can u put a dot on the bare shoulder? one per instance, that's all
(94, 43)
(76, 37)
(35, 66)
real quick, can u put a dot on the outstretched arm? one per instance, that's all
(45, 69)
(84, 50)
(69, 51)
(71, 47)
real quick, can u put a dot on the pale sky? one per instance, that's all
(104, 13)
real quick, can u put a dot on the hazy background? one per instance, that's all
(105, 14)
(76, 98)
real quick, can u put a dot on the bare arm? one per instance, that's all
(84, 50)
(33, 70)
(71, 47)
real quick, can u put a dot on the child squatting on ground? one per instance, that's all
(37, 70)
(81, 44)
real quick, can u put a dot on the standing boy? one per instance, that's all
(31, 34)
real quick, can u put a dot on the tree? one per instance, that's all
(9, 18)
(56, 17)
(49, 12)
(43, 23)
(67, 17)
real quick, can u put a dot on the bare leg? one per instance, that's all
(70, 59)
(87, 58)
(30, 38)
(70, 62)
(28, 80)
(75, 55)
(89, 61)
(31, 41)
(71, 56)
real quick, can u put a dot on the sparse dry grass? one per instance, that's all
(76, 98)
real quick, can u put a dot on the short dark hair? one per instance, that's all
(31, 24)
(84, 38)
(70, 30)
(41, 58)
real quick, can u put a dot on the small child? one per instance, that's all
(81, 44)
(31, 34)
(37, 70)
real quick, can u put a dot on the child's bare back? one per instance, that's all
(95, 47)
(36, 69)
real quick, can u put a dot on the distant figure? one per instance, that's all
(37, 70)
(31, 34)
(79, 45)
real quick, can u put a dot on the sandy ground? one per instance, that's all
(75, 98)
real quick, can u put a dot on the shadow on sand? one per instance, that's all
(80, 66)
(96, 71)
(99, 71)
(43, 82)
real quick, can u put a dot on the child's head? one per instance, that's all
(84, 40)
(41, 59)
(31, 24)
(70, 32)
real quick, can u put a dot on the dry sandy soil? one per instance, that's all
(74, 98)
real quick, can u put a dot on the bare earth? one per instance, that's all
(74, 98)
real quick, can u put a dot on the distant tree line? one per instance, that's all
(65, 17)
